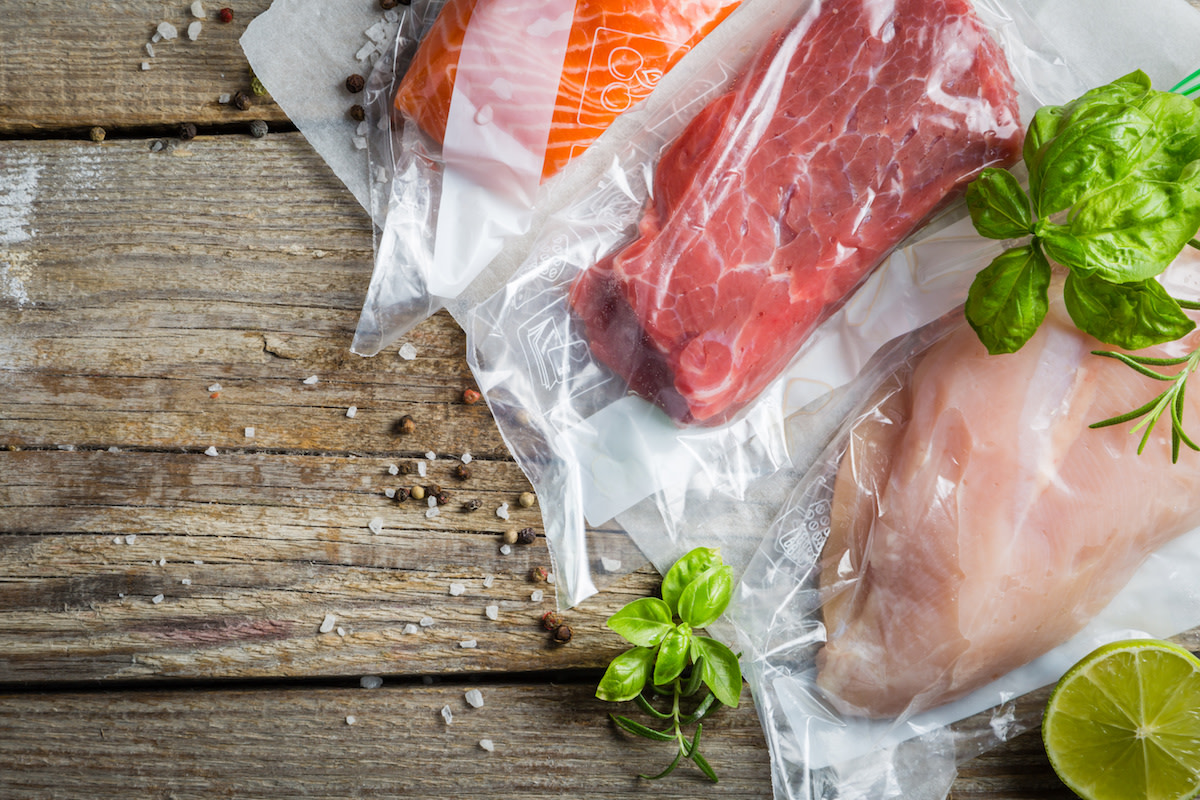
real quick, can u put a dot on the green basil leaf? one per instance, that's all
(1008, 299)
(722, 673)
(999, 206)
(705, 598)
(643, 622)
(684, 572)
(1093, 150)
(1042, 129)
(626, 675)
(1128, 315)
(1176, 119)
(1131, 231)
(672, 655)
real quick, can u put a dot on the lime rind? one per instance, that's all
(1124, 723)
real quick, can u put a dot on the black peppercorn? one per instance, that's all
(355, 84)
(241, 101)
(462, 472)
(357, 113)
(258, 128)
(562, 634)
(473, 505)
(443, 497)
(406, 424)
(388, 5)
(526, 536)
(402, 494)
(187, 132)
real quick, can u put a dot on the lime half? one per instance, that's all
(1124, 723)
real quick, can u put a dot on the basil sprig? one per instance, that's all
(1114, 196)
(670, 659)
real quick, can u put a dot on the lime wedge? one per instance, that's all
(1124, 723)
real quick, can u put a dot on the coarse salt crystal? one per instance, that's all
(145, 65)
(407, 351)
(466, 458)
(537, 595)
(505, 549)
(162, 562)
(391, 15)
(156, 38)
(426, 622)
(363, 128)
(150, 49)
(432, 456)
(502, 511)
(352, 412)
(487, 745)
(351, 719)
(198, 10)
(447, 714)
(431, 501)
(376, 524)
(167, 31)
(197, 562)
(488, 580)
(432, 512)
(158, 598)
(116, 540)
(327, 623)
(224, 99)
(216, 387)
(376, 32)
(130, 538)
(389, 493)
(366, 51)
(457, 589)
(194, 30)
(249, 433)
(360, 142)
(467, 644)
(493, 612)
(411, 628)
(310, 380)
(370, 681)
(114, 449)
(341, 631)
(610, 564)
(474, 697)
(422, 468)
(186, 581)
(393, 470)
(211, 451)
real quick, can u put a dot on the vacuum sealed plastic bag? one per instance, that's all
(498, 96)
(959, 544)
(728, 183)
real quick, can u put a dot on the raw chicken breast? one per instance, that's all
(617, 51)
(977, 522)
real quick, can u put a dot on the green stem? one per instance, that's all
(1195, 243)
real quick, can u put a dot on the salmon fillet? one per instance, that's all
(977, 522)
(782, 195)
(617, 51)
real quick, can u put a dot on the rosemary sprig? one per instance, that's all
(1171, 399)
(687, 748)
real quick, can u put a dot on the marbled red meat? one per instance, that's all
(782, 195)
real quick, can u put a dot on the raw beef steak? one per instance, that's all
(784, 193)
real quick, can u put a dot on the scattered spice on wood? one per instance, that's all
(241, 101)
(417, 492)
(406, 425)
(509, 536)
(402, 494)
(563, 634)
(462, 472)
(471, 396)
(473, 504)
(355, 83)
(443, 497)
(552, 620)
(539, 574)
(527, 499)
(225, 15)
(526, 536)
(258, 128)
(96, 134)
(327, 623)
(357, 113)
(187, 132)
(388, 5)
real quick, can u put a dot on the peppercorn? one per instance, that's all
(187, 132)
(258, 128)
(473, 505)
(552, 620)
(355, 83)
(225, 15)
(509, 536)
(241, 101)
(357, 113)
(462, 472)
(443, 497)
(471, 397)
(406, 424)
(96, 134)
(526, 536)
(432, 489)
(402, 494)
(404, 468)
(417, 493)
(527, 499)
(387, 5)
(562, 634)
(539, 574)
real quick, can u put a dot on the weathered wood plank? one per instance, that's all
(70, 65)
(551, 740)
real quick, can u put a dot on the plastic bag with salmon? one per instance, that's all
(965, 538)
(478, 107)
(790, 205)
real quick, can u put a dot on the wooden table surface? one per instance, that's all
(160, 607)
